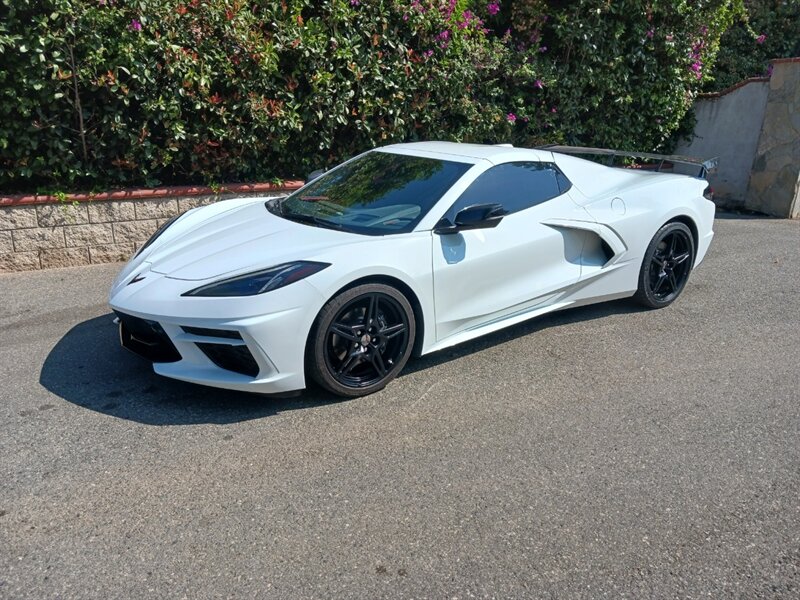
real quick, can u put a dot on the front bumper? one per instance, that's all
(254, 344)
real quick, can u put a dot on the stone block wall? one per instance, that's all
(775, 179)
(45, 233)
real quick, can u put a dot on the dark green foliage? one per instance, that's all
(625, 71)
(100, 93)
(771, 29)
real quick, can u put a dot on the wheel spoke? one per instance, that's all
(661, 280)
(347, 365)
(377, 361)
(673, 282)
(672, 241)
(392, 331)
(344, 331)
(372, 309)
(658, 261)
(680, 258)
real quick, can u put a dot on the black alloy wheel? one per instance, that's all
(361, 340)
(667, 263)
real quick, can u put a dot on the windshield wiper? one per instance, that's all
(312, 220)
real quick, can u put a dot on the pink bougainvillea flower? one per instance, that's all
(511, 117)
(543, 49)
(761, 39)
(538, 83)
(650, 33)
(553, 110)
(493, 8)
(447, 11)
(135, 25)
(428, 53)
(355, 2)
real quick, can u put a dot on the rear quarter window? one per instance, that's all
(516, 186)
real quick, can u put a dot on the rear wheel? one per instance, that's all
(666, 266)
(362, 339)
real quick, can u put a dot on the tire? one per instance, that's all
(666, 266)
(361, 340)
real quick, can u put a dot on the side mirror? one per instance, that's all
(477, 216)
(315, 175)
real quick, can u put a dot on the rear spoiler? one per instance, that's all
(704, 166)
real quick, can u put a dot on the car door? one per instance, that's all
(486, 275)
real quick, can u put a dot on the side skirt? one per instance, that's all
(471, 334)
(515, 319)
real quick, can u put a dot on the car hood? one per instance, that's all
(245, 238)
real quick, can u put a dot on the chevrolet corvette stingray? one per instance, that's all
(400, 251)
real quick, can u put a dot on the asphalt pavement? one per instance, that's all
(606, 451)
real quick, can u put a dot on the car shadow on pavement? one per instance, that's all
(89, 368)
(743, 215)
(554, 319)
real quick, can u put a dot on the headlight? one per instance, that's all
(260, 281)
(154, 237)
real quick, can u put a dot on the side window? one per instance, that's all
(516, 186)
(564, 184)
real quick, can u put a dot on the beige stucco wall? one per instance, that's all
(728, 126)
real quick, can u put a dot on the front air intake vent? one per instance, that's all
(231, 358)
(216, 333)
(147, 339)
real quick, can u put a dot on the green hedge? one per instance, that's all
(770, 29)
(99, 93)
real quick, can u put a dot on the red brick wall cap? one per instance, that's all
(734, 87)
(743, 82)
(153, 193)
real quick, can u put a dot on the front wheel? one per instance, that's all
(666, 266)
(361, 340)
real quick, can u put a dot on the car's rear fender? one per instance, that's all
(636, 214)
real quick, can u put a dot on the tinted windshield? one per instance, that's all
(377, 194)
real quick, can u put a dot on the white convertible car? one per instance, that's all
(403, 250)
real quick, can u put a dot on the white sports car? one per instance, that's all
(403, 250)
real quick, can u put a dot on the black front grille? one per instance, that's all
(231, 358)
(218, 333)
(147, 339)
